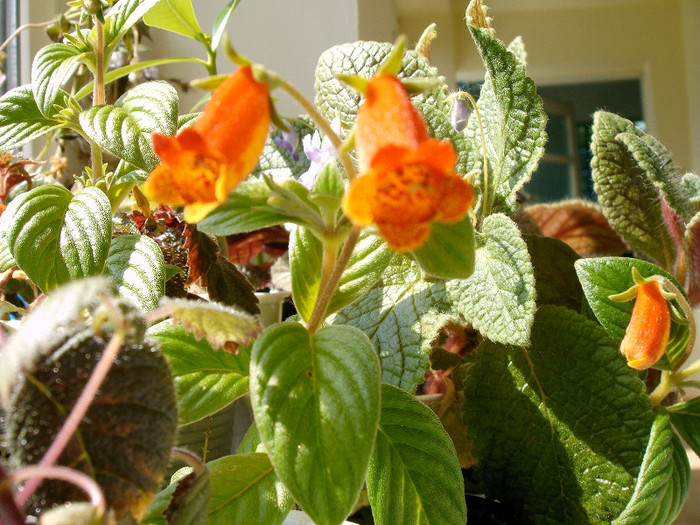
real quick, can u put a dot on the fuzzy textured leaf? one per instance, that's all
(56, 236)
(137, 267)
(52, 67)
(411, 443)
(316, 405)
(686, 419)
(555, 278)
(124, 129)
(120, 18)
(21, 119)
(513, 121)
(206, 379)
(629, 199)
(553, 422)
(219, 324)
(499, 298)
(176, 16)
(246, 491)
(398, 315)
(691, 244)
(664, 479)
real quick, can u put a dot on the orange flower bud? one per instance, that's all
(649, 328)
(409, 178)
(202, 164)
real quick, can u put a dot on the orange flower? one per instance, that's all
(649, 328)
(202, 164)
(409, 178)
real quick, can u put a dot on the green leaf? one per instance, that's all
(206, 380)
(125, 439)
(663, 482)
(499, 298)
(123, 180)
(137, 267)
(398, 315)
(550, 422)
(21, 120)
(52, 67)
(414, 475)
(121, 17)
(218, 323)
(305, 260)
(368, 261)
(629, 199)
(124, 129)
(220, 23)
(6, 259)
(56, 236)
(686, 418)
(316, 405)
(555, 278)
(186, 500)
(605, 276)
(513, 121)
(245, 489)
(244, 210)
(656, 161)
(449, 252)
(176, 16)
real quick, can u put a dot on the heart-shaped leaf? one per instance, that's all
(124, 129)
(414, 476)
(56, 236)
(206, 379)
(316, 405)
(137, 267)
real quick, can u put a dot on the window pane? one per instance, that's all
(551, 182)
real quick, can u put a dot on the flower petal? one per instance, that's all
(359, 199)
(456, 200)
(404, 237)
(162, 186)
(197, 211)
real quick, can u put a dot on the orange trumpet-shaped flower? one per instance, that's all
(409, 178)
(647, 334)
(202, 164)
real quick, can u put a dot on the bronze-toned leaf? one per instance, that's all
(579, 224)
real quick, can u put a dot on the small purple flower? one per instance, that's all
(320, 152)
(289, 140)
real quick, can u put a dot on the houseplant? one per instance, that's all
(414, 287)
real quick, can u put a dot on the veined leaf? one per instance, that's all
(52, 67)
(449, 251)
(124, 129)
(559, 429)
(220, 23)
(246, 490)
(6, 259)
(398, 315)
(185, 500)
(316, 405)
(56, 236)
(499, 298)
(629, 199)
(206, 380)
(513, 121)
(686, 418)
(244, 210)
(218, 323)
(305, 260)
(21, 120)
(120, 18)
(414, 476)
(605, 276)
(176, 16)
(664, 479)
(137, 267)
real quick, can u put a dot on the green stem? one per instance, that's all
(320, 121)
(485, 193)
(98, 97)
(327, 289)
(664, 388)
